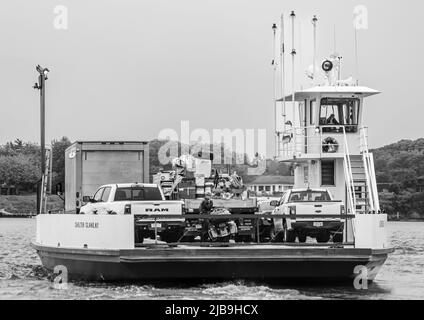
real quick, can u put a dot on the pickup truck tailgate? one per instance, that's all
(325, 208)
(146, 208)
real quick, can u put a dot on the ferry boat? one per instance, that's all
(326, 141)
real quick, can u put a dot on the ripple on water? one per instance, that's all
(23, 277)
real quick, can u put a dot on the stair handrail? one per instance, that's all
(369, 171)
(374, 183)
(348, 173)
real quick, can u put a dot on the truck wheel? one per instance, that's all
(139, 237)
(323, 237)
(224, 239)
(338, 238)
(302, 238)
(243, 239)
(189, 239)
(171, 237)
(291, 236)
(276, 236)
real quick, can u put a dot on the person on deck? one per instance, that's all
(216, 179)
(205, 209)
(207, 205)
(332, 120)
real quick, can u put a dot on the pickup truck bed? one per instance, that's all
(232, 205)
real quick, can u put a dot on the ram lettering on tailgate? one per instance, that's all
(156, 209)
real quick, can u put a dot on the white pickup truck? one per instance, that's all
(300, 202)
(139, 200)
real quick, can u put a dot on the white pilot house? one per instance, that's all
(327, 142)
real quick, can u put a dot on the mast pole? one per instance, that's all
(314, 23)
(356, 56)
(274, 63)
(293, 53)
(283, 72)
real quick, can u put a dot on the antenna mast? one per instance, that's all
(356, 56)
(314, 23)
(274, 63)
(283, 72)
(293, 53)
(334, 39)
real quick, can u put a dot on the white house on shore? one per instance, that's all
(268, 185)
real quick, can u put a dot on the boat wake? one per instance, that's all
(242, 290)
(13, 271)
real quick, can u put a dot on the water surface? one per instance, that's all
(22, 276)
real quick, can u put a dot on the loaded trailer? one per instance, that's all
(248, 229)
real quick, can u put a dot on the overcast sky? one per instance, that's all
(125, 70)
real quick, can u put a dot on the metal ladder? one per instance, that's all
(45, 181)
(350, 184)
(360, 178)
(369, 172)
(361, 184)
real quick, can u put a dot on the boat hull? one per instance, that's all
(224, 263)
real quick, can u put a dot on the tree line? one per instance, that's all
(399, 170)
(400, 177)
(20, 164)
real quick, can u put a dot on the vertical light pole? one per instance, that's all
(41, 86)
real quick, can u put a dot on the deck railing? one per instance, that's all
(158, 218)
(309, 140)
(368, 160)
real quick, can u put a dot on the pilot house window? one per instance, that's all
(327, 173)
(339, 112)
(312, 112)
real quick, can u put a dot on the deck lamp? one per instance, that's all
(43, 71)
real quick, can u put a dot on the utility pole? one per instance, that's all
(41, 86)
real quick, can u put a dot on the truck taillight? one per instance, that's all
(292, 210)
(342, 209)
(127, 209)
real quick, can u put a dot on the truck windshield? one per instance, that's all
(138, 194)
(309, 196)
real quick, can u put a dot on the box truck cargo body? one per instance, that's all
(91, 164)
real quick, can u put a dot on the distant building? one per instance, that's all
(268, 185)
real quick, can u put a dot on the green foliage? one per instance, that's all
(20, 163)
(58, 161)
(400, 175)
(18, 147)
(276, 168)
(20, 170)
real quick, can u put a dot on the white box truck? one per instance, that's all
(91, 164)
